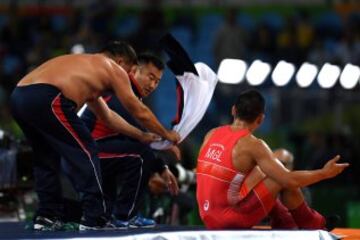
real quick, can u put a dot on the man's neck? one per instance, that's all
(136, 87)
(240, 125)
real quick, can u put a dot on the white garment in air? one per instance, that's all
(198, 91)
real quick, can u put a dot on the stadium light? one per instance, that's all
(257, 72)
(282, 73)
(306, 74)
(231, 71)
(328, 75)
(77, 49)
(350, 76)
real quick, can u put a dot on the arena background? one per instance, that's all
(315, 122)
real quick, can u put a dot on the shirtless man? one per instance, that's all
(239, 178)
(45, 103)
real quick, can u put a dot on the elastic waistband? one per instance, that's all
(39, 86)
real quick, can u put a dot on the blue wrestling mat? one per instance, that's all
(15, 230)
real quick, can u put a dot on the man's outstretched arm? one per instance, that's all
(273, 168)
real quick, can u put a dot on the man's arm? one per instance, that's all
(117, 123)
(121, 85)
(273, 168)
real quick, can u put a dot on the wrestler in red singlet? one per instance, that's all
(231, 206)
(240, 179)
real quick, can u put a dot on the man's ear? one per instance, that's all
(260, 119)
(120, 61)
(233, 111)
(133, 70)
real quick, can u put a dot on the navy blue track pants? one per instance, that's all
(129, 162)
(49, 121)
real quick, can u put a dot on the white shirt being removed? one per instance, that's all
(197, 91)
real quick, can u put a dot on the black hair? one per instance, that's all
(147, 57)
(249, 105)
(122, 49)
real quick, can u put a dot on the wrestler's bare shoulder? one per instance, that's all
(252, 143)
(249, 142)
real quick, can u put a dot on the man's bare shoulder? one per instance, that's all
(99, 59)
(251, 143)
(256, 141)
(110, 64)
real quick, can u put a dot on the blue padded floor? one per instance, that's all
(15, 230)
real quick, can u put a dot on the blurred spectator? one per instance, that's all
(101, 14)
(152, 27)
(315, 150)
(230, 41)
(287, 43)
(305, 31)
(263, 43)
(285, 157)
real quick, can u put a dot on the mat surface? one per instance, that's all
(15, 230)
(347, 233)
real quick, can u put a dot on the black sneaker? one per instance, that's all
(100, 224)
(70, 226)
(47, 224)
(332, 221)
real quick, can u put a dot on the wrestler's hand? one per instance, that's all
(332, 168)
(148, 137)
(173, 136)
(171, 181)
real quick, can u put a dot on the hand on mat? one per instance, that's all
(148, 137)
(332, 168)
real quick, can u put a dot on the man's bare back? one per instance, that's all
(80, 77)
